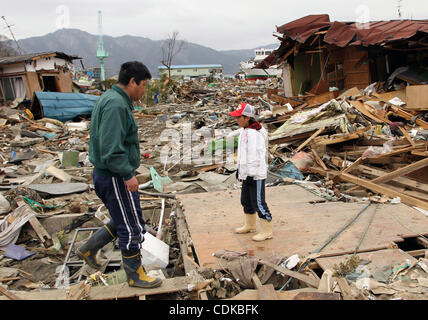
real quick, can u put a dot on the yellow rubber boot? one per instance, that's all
(250, 224)
(265, 232)
(135, 272)
(88, 252)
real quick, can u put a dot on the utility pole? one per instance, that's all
(101, 53)
(399, 8)
(13, 36)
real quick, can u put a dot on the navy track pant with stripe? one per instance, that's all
(253, 198)
(124, 208)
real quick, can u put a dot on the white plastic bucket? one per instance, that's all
(155, 252)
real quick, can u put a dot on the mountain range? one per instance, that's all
(126, 48)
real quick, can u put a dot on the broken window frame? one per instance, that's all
(5, 94)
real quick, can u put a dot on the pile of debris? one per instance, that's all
(359, 145)
(359, 133)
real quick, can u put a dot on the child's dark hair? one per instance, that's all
(133, 69)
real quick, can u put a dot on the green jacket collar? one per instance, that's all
(124, 94)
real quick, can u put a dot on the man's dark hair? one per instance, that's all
(133, 69)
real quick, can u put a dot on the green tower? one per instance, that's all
(101, 53)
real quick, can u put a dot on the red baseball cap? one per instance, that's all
(245, 109)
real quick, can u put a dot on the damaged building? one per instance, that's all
(23, 75)
(318, 54)
(347, 182)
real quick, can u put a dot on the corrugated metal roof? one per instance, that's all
(301, 29)
(33, 56)
(63, 106)
(193, 66)
(352, 33)
(342, 34)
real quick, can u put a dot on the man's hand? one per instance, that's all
(132, 184)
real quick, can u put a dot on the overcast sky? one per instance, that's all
(219, 24)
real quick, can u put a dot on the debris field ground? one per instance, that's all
(347, 187)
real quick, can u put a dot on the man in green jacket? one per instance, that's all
(114, 150)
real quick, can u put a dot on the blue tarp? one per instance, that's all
(62, 106)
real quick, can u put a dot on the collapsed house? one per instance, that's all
(318, 54)
(347, 185)
(23, 75)
(349, 207)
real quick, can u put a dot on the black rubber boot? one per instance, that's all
(135, 272)
(88, 252)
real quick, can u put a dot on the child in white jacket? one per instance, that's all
(252, 170)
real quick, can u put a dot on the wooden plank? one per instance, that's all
(318, 159)
(321, 98)
(409, 200)
(297, 275)
(120, 291)
(41, 232)
(284, 100)
(399, 151)
(417, 97)
(9, 279)
(8, 294)
(422, 241)
(345, 288)
(183, 236)
(363, 109)
(406, 134)
(316, 134)
(267, 292)
(253, 294)
(386, 96)
(343, 138)
(58, 173)
(79, 291)
(354, 165)
(302, 223)
(349, 93)
(408, 116)
(400, 181)
(256, 281)
(402, 171)
(291, 138)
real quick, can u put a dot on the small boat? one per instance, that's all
(247, 67)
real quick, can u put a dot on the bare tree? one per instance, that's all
(170, 48)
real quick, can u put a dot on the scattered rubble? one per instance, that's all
(352, 147)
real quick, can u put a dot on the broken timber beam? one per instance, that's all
(120, 291)
(402, 171)
(8, 294)
(406, 199)
(399, 172)
(409, 116)
(183, 235)
(316, 134)
(318, 159)
(297, 275)
(333, 140)
(41, 232)
(422, 241)
(409, 200)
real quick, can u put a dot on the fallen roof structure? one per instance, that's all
(348, 197)
(62, 106)
(324, 54)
